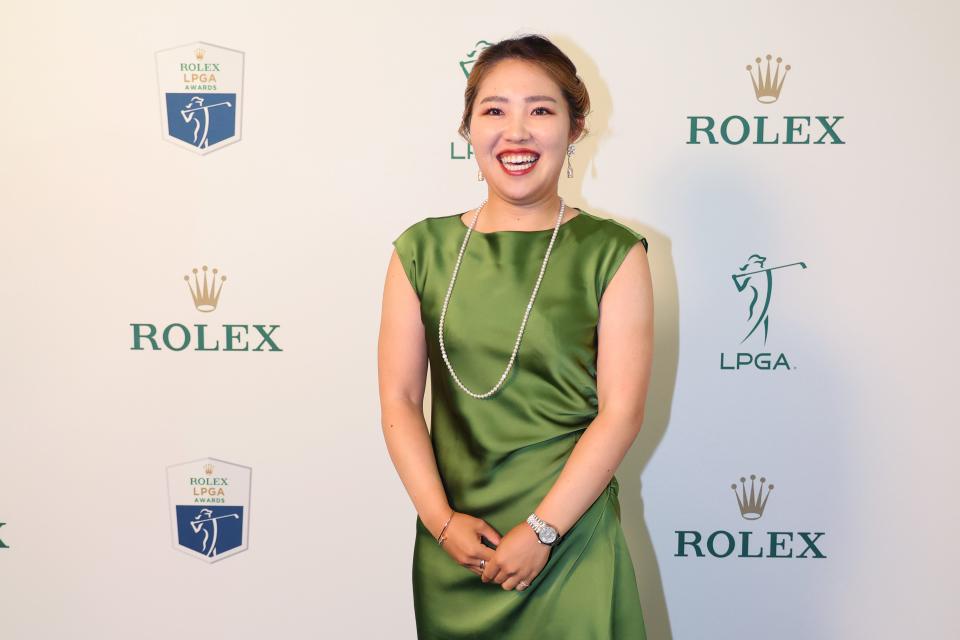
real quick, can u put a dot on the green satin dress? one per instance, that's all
(498, 457)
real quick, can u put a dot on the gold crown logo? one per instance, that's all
(767, 87)
(752, 506)
(208, 469)
(205, 298)
(199, 53)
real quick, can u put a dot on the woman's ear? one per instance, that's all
(577, 132)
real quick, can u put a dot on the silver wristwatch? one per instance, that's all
(546, 533)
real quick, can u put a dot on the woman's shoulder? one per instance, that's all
(612, 232)
(613, 241)
(428, 226)
(413, 247)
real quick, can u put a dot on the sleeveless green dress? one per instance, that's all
(498, 457)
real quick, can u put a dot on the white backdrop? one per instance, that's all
(348, 119)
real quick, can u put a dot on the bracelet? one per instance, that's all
(440, 538)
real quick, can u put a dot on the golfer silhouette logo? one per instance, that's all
(210, 531)
(758, 279)
(198, 115)
(201, 120)
(207, 524)
(466, 65)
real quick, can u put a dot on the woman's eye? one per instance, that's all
(540, 111)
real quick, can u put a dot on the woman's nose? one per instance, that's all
(517, 129)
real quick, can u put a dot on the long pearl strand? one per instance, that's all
(516, 346)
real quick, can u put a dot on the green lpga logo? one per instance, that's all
(457, 150)
(3, 545)
(767, 84)
(755, 280)
(723, 544)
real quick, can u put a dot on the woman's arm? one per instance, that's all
(402, 367)
(624, 360)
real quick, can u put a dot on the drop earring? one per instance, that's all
(570, 151)
(479, 175)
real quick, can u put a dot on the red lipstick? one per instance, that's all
(519, 161)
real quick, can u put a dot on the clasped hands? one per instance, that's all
(518, 558)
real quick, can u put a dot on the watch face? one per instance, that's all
(548, 535)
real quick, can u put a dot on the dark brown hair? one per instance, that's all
(540, 51)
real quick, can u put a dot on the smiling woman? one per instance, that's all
(523, 90)
(535, 401)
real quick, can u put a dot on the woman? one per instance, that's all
(535, 401)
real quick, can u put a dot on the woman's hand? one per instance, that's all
(519, 556)
(462, 541)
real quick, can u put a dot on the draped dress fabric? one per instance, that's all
(498, 457)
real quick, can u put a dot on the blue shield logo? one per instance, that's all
(202, 119)
(209, 530)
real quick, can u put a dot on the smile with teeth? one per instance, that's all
(518, 161)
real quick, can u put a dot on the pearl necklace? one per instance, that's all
(446, 300)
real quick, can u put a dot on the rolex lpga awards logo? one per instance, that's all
(754, 282)
(201, 88)
(772, 544)
(209, 508)
(767, 77)
(205, 286)
(3, 545)
(460, 150)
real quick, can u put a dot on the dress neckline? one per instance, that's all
(523, 231)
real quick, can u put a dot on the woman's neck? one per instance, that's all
(500, 215)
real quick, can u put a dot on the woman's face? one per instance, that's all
(520, 129)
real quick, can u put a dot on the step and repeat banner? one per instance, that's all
(197, 203)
